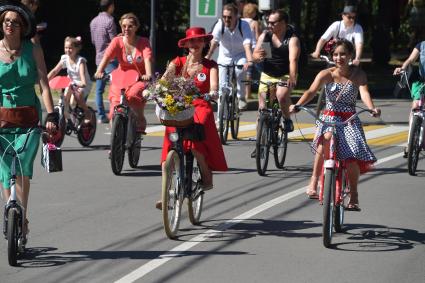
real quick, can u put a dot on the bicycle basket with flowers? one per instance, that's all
(173, 99)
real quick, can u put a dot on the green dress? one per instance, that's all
(17, 81)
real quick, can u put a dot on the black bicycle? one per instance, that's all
(181, 179)
(229, 113)
(270, 130)
(124, 136)
(14, 212)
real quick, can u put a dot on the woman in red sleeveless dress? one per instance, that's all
(209, 152)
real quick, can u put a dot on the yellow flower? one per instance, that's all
(172, 109)
(169, 100)
(187, 99)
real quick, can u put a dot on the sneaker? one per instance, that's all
(103, 120)
(288, 126)
(242, 104)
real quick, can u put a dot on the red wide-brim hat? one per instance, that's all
(194, 32)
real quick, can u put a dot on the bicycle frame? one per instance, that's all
(13, 202)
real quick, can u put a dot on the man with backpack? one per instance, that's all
(233, 38)
(281, 62)
(348, 29)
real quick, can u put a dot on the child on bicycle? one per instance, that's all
(76, 67)
(418, 86)
(342, 83)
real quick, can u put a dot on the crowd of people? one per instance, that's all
(241, 40)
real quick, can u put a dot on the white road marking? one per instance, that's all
(178, 251)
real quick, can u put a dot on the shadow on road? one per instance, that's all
(378, 238)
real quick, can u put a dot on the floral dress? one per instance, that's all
(351, 140)
(211, 147)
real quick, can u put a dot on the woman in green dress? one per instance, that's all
(21, 67)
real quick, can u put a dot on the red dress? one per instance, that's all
(211, 147)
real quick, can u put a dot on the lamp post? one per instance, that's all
(152, 36)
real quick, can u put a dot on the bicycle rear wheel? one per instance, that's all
(328, 206)
(86, 133)
(12, 236)
(117, 143)
(196, 199)
(262, 145)
(281, 146)
(172, 194)
(413, 148)
(134, 140)
(234, 120)
(223, 118)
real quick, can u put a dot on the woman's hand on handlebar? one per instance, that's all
(294, 108)
(397, 71)
(376, 112)
(146, 77)
(98, 75)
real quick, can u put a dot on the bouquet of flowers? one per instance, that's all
(173, 97)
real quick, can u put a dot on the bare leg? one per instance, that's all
(353, 171)
(140, 112)
(284, 96)
(205, 170)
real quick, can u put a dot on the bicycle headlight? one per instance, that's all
(174, 137)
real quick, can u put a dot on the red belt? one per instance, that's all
(343, 115)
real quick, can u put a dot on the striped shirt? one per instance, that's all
(103, 30)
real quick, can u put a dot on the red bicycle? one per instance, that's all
(335, 189)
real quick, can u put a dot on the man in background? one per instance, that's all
(103, 29)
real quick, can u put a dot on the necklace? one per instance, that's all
(12, 53)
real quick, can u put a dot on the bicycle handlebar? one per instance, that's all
(326, 59)
(268, 83)
(297, 108)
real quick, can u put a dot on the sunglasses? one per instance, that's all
(227, 17)
(350, 17)
(273, 23)
(12, 23)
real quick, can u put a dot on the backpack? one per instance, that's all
(222, 26)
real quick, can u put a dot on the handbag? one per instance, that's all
(18, 117)
(51, 158)
(331, 42)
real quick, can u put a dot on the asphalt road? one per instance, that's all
(88, 225)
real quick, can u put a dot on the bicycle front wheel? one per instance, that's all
(262, 145)
(223, 118)
(343, 201)
(196, 199)
(234, 121)
(117, 143)
(328, 206)
(12, 236)
(281, 146)
(172, 194)
(413, 148)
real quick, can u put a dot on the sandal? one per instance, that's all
(25, 229)
(353, 204)
(312, 193)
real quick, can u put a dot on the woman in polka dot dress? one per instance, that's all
(342, 85)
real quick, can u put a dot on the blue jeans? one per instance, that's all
(100, 88)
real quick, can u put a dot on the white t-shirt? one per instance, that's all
(338, 29)
(231, 42)
(73, 71)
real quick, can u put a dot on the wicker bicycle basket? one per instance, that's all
(182, 119)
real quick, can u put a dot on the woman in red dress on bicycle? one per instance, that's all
(209, 152)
